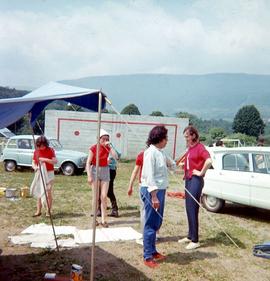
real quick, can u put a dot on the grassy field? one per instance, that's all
(217, 259)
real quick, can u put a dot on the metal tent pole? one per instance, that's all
(96, 191)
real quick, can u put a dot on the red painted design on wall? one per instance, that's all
(175, 126)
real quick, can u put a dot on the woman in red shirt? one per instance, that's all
(197, 161)
(104, 172)
(44, 154)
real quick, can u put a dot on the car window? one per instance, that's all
(12, 144)
(24, 144)
(236, 162)
(261, 163)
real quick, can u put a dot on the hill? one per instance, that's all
(207, 96)
(6, 93)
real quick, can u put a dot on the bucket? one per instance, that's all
(2, 191)
(11, 192)
(24, 191)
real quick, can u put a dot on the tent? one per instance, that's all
(13, 109)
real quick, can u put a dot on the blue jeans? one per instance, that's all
(194, 186)
(153, 221)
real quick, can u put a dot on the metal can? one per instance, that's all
(76, 272)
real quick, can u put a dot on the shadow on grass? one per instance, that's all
(128, 207)
(130, 214)
(32, 267)
(186, 258)
(221, 238)
(168, 239)
(61, 215)
(247, 212)
(120, 222)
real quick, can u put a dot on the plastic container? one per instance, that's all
(11, 192)
(2, 191)
(24, 192)
(76, 273)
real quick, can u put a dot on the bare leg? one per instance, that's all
(104, 186)
(95, 202)
(39, 206)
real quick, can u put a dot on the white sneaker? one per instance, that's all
(193, 245)
(139, 241)
(184, 240)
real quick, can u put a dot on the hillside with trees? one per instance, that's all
(6, 93)
(247, 124)
(209, 96)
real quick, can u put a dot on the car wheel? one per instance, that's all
(68, 169)
(212, 203)
(10, 165)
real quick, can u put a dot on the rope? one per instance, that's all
(204, 210)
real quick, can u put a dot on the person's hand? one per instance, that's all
(90, 179)
(130, 190)
(155, 202)
(196, 173)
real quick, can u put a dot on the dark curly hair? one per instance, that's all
(156, 135)
(42, 141)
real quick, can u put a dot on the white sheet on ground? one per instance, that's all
(41, 236)
(107, 234)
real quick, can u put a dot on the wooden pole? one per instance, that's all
(96, 191)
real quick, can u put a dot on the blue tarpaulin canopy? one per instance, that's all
(13, 109)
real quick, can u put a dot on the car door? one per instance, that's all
(235, 177)
(25, 151)
(260, 180)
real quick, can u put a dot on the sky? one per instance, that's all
(51, 40)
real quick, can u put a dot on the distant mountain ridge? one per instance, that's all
(208, 96)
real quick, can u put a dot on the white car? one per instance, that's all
(240, 175)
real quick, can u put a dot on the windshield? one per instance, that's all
(55, 144)
(6, 134)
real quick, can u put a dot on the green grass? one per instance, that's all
(217, 259)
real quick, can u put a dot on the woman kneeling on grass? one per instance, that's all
(154, 181)
(44, 154)
(103, 175)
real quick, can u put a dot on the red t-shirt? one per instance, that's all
(139, 162)
(195, 158)
(104, 152)
(48, 152)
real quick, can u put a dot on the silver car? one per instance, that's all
(19, 150)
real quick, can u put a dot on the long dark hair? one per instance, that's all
(156, 135)
(42, 141)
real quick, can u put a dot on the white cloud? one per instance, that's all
(137, 37)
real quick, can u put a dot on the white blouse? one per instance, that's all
(154, 171)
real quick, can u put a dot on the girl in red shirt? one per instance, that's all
(197, 161)
(44, 154)
(104, 172)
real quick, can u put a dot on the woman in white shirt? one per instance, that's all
(154, 181)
